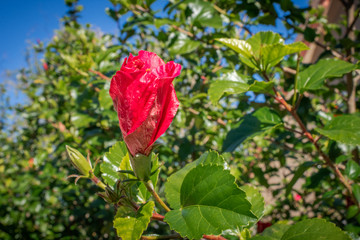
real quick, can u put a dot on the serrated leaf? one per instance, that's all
(298, 173)
(274, 232)
(313, 77)
(345, 129)
(352, 169)
(112, 161)
(315, 229)
(133, 226)
(256, 199)
(262, 120)
(210, 202)
(231, 83)
(174, 182)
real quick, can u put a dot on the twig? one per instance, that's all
(219, 120)
(326, 158)
(100, 75)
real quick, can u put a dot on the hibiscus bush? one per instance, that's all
(197, 120)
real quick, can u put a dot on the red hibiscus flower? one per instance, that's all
(145, 99)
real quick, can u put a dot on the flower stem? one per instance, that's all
(149, 186)
(98, 182)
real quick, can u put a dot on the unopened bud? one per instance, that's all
(79, 161)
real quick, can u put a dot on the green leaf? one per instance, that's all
(262, 120)
(356, 190)
(275, 232)
(352, 211)
(263, 50)
(81, 120)
(174, 182)
(273, 54)
(132, 227)
(256, 199)
(113, 159)
(204, 14)
(104, 97)
(299, 173)
(241, 47)
(314, 229)
(234, 83)
(345, 129)
(183, 45)
(261, 87)
(352, 169)
(261, 39)
(231, 83)
(313, 77)
(210, 203)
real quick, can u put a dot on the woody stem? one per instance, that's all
(326, 158)
(151, 189)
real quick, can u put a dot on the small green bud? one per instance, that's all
(141, 164)
(79, 161)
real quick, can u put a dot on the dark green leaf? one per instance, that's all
(314, 229)
(345, 129)
(352, 169)
(299, 173)
(231, 83)
(174, 182)
(313, 77)
(356, 190)
(210, 203)
(275, 232)
(183, 45)
(251, 125)
(204, 14)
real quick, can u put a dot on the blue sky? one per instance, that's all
(25, 21)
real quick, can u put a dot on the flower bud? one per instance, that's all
(79, 161)
(141, 164)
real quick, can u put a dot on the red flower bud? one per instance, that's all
(145, 99)
(45, 66)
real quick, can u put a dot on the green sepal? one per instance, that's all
(141, 164)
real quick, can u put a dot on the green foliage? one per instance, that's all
(313, 77)
(345, 129)
(174, 182)
(131, 227)
(263, 50)
(210, 202)
(113, 160)
(68, 104)
(233, 83)
(314, 229)
(261, 121)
